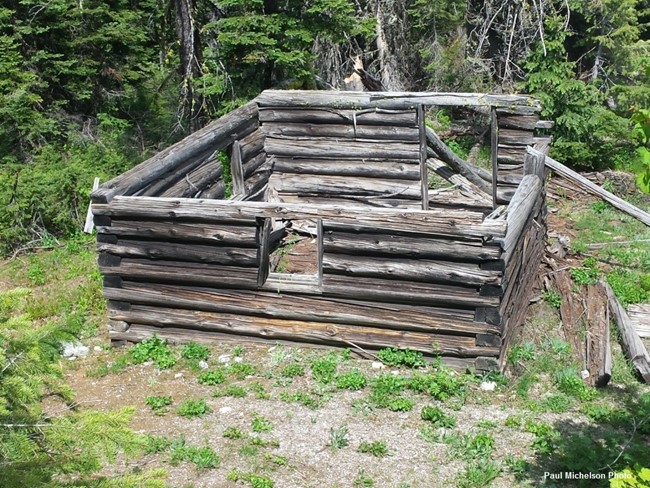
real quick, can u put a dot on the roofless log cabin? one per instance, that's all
(339, 181)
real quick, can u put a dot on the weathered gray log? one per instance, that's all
(157, 187)
(343, 149)
(448, 156)
(599, 355)
(373, 244)
(238, 236)
(252, 164)
(525, 122)
(362, 204)
(215, 136)
(251, 144)
(407, 269)
(370, 132)
(630, 340)
(365, 168)
(342, 185)
(237, 256)
(592, 188)
(393, 100)
(519, 210)
(399, 118)
(183, 272)
(494, 149)
(340, 337)
(405, 291)
(469, 189)
(216, 191)
(461, 223)
(270, 304)
(516, 137)
(195, 181)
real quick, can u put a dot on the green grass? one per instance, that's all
(153, 349)
(212, 378)
(261, 424)
(437, 417)
(159, 404)
(352, 380)
(401, 357)
(193, 408)
(201, 457)
(374, 448)
(323, 369)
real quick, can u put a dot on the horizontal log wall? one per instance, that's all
(366, 156)
(391, 278)
(515, 133)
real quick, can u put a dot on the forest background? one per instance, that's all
(91, 87)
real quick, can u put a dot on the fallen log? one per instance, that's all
(448, 156)
(630, 340)
(592, 188)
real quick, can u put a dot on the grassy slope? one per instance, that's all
(290, 417)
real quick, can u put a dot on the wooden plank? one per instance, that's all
(630, 340)
(516, 137)
(395, 118)
(400, 170)
(362, 204)
(215, 136)
(424, 175)
(346, 131)
(192, 183)
(525, 122)
(340, 148)
(264, 251)
(392, 100)
(231, 235)
(640, 317)
(252, 144)
(594, 189)
(270, 304)
(409, 269)
(456, 223)
(315, 185)
(237, 256)
(520, 208)
(406, 246)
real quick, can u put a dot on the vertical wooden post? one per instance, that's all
(319, 247)
(494, 145)
(424, 175)
(237, 171)
(263, 250)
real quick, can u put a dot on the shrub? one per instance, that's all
(153, 349)
(193, 408)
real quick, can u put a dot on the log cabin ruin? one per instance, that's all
(308, 217)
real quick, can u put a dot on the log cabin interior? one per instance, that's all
(308, 217)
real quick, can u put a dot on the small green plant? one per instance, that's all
(385, 388)
(323, 369)
(258, 481)
(156, 444)
(569, 382)
(153, 349)
(202, 457)
(242, 370)
(558, 403)
(233, 433)
(260, 392)
(516, 466)
(553, 298)
(159, 404)
(600, 206)
(363, 480)
(400, 404)
(235, 391)
(211, 378)
(478, 474)
(339, 437)
(586, 275)
(292, 371)
(522, 353)
(237, 351)
(636, 476)
(193, 408)
(471, 447)
(401, 357)
(375, 448)
(260, 424)
(195, 351)
(352, 380)
(437, 417)
(545, 436)
(309, 401)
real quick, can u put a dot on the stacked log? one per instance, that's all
(366, 157)
(387, 278)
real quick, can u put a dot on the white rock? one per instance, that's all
(225, 410)
(238, 359)
(224, 358)
(178, 375)
(585, 374)
(394, 372)
(203, 364)
(72, 358)
(488, 385)
(74, 349)
(97, 348)
(377, 365)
